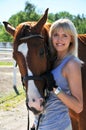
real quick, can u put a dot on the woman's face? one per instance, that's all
(61, 40)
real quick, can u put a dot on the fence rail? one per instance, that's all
(6, 49)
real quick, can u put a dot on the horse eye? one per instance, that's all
(41, 53)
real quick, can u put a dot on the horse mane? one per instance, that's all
(82, 38)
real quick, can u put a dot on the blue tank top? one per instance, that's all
(57, 72)
(56, 115)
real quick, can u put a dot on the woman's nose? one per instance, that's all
(59, 38)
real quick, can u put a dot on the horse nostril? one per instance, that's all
(41, 99)
(33, 100)
(41, 102)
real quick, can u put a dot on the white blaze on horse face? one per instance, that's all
(35, 99)
(23, 49)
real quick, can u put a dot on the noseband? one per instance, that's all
(34, 77)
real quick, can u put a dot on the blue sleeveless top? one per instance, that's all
(56, 115)
(57, 72)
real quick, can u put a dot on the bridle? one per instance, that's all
(36, 77)
(32, 36)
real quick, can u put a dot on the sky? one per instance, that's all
(11, 7)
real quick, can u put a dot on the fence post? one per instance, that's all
(14, 77)
(4, 50)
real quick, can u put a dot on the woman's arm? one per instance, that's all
(72, 71)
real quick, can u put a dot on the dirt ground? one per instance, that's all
(7, 75)
(15, 119)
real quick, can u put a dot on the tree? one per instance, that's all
(4, 36)
(29, 8)
(29, 14)
(63, 15)
(51, 17)
(18, 18)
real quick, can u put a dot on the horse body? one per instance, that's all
(29, 51)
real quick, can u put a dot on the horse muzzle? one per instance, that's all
(37, 107)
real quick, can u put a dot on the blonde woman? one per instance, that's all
(67, 75)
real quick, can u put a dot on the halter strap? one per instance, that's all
(33, 77)
(32, 36)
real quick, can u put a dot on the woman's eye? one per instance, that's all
(55, 35)
(65, 35)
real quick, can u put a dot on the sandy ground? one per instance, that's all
(7, 75)
(15, 119)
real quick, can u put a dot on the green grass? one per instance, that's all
(6, 63)
(11, 100)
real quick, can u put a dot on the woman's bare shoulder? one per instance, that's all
(72, 66)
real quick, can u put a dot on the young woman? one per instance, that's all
(67, 75)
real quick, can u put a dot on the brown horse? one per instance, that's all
(32, 56)
(78, 120)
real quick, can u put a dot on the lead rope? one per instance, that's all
(28, 121)
(46, 97)
(38, 121)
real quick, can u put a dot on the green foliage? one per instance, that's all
(29, 8)
(80, 23)
(51, 17)
(4, 36)
(32, 17)
(18, 18)
(63, 15)
(30, 14)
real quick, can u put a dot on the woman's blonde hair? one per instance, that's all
(69, 28)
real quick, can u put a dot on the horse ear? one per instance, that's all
(9, 28)
(42, 21)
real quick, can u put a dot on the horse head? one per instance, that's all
(29, 51)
